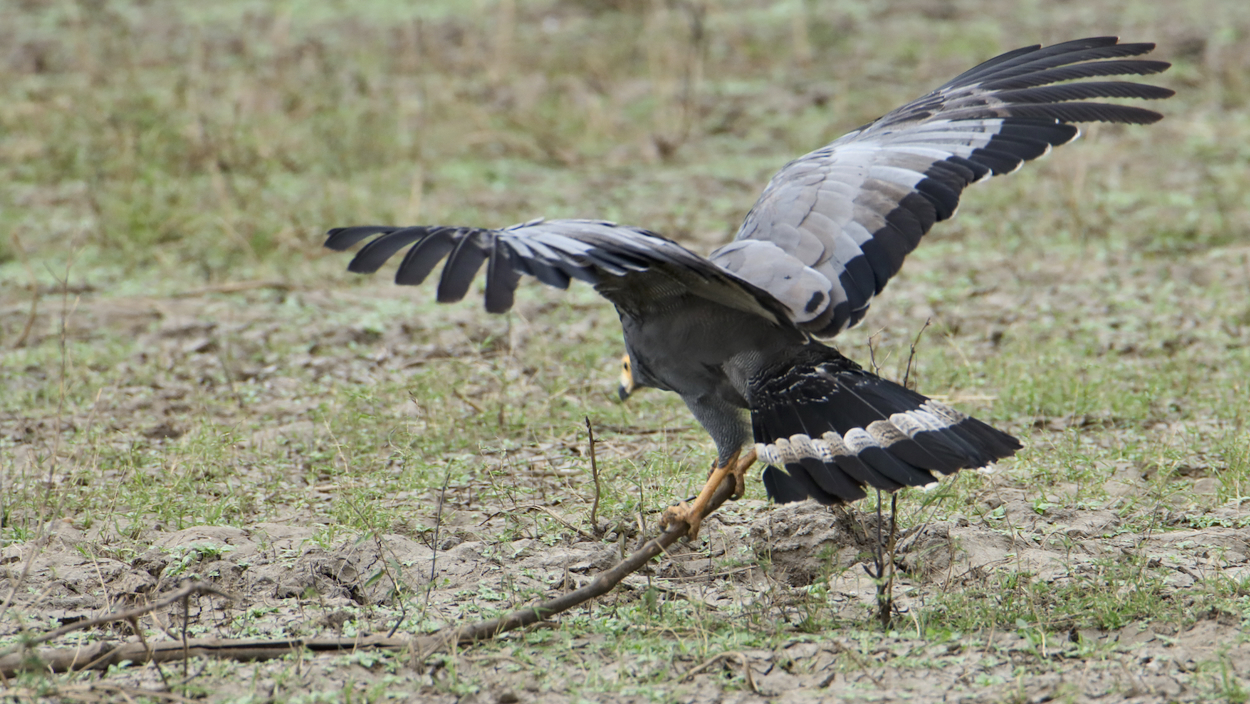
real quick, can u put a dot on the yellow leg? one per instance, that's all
(740, 474)
(693, 514)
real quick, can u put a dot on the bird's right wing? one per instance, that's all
(833, 226)
(554, 252)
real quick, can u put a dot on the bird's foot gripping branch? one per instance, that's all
(692, 514)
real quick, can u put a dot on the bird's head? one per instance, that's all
(628, 385)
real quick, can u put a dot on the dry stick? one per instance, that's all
(81, 692)
(438, 523)
(886, 605)
(225, 371)
(34, 292)
(467, 401)
(911, 356)
(103, 655)
(544, 509)
(885, 574)
(872, 353)
(603, 583)
(594, 472)
(186, 621)
(194, 588)
(30, 319)
(746, 668)
(883, 577)
(631, 430)
(134, 627)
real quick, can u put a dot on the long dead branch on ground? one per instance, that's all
(100, 656)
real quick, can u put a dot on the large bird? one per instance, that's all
(735, 334)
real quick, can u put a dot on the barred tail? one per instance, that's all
(836, 429)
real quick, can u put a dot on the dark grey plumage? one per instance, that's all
(734, 334)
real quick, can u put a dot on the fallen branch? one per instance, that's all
(535, 507)
(603, 583)
(101, 656)
(89, 693)
(193, 589)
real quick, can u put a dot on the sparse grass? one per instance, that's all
(1094, 304)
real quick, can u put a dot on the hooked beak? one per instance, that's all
(627, 385)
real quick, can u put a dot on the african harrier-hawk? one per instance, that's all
(735, 334)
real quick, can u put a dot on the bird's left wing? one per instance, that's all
(833, 226)
(552, 251)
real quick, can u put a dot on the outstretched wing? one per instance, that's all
(833, 226)
(554, 252)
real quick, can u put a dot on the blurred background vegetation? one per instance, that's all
(153, 151)
(164, 145)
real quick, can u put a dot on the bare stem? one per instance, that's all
(594, 472)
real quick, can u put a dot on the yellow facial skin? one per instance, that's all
(627, 386)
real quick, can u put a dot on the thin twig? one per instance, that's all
(882, 573)
(134, 626)
(885, 586)
(746, 668)
(872, 353)
(631, 430)
(186, 622)
(890, 554)
(594, 473)
(195, 588)
(544, 509)
(82, 690)
(467, 401)
(911, 356)
(438, 523)
(101, 656)
(225, 371)
(34, 293)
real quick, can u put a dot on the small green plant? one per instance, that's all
(185, 557)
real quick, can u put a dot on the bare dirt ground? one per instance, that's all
(753, 562)
(286, 584)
